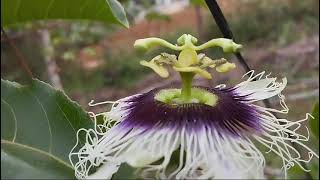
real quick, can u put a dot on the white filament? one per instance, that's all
(208, 154)
(278, 134)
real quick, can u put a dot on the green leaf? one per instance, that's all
(314, 167)
(296, 172)
(24, 162)
(108, 11)
(38, 130)
(125, 172)
(314, 123)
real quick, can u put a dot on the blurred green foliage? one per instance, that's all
(272, 21)
(155, 16)
(123, 71)
(80, 34)
(119, 70)
(314, 123)
(29, 46)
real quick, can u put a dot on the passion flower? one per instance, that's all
(214, 129)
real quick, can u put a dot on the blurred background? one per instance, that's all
(90, 60)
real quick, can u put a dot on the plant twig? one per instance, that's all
(51, 64)
(227, 33)
(21, 59)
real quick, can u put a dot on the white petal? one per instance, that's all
(150, 147)
(105, 171)
(140, 158)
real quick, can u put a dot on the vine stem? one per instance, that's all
(21, 59)
(227, 33)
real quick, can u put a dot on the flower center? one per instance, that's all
(197, 95)
(189, 63)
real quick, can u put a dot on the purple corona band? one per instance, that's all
(232, 114)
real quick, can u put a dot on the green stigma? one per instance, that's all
(188, 63)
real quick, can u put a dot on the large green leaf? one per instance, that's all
(38, 130)
(125, 172)
(314, 123)
(108, 11)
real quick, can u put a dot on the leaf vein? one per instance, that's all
(14, 118)
(48, 9)
(65, 117)
(49, 126)
(17, 10)
(84, 5)
(37, 150)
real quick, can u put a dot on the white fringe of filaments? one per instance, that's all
(204, 154)
(85, 153)
(279, 134)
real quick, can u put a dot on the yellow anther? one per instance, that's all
(207, 61)
(226, 67)
(213, 66)
(165, 58)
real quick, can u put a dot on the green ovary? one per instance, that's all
(173, 97)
